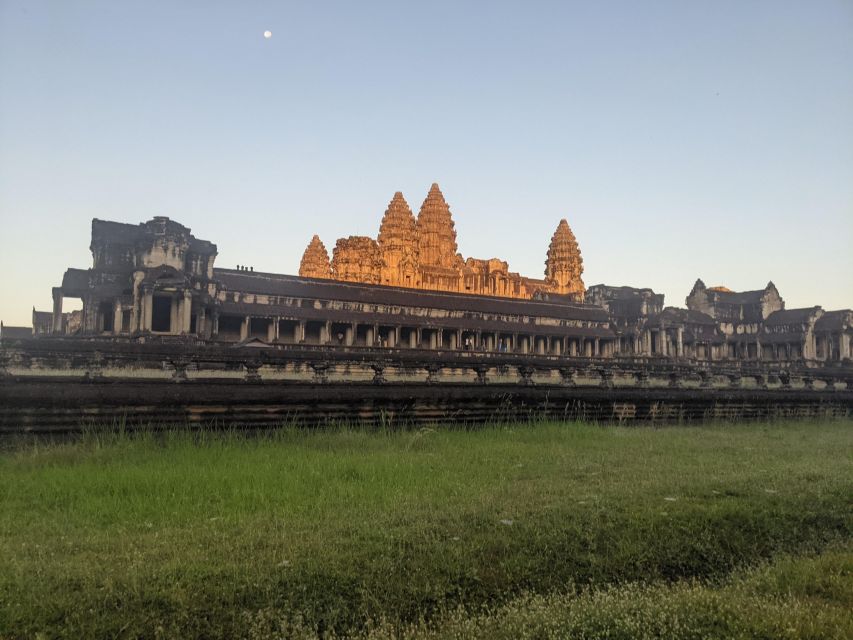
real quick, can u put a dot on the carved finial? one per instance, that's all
(564, 265)
(315, 260)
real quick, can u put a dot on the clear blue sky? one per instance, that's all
(679, 139)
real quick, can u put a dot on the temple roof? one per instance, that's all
(75, 281)
(738, 297)
(791, 316)
(835, 320)
(682, 316)
(621, 292)
(298, 287)
(15, 333)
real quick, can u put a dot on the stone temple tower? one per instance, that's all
(356, 259)
(315, 260)
(436, 235)
(564, 265)
(398, 245)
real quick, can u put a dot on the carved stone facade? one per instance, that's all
(357, 259)
(151, 277)
(156, 279)
(422, 253)
(398, 245)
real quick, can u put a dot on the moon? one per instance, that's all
(267, 34)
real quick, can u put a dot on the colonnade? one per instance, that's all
(286, 331)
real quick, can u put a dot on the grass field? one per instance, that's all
(546, 530)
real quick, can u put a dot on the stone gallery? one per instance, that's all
(411, 289)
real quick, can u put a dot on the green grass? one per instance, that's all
(346, 530)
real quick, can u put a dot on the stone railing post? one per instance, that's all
(830, 384)
(567, 377)
(378, 373)
(432, 373)
(252, 373)
(480, 370)
(180, 370)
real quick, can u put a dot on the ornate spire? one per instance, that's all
(315, 260)
(436, 235)
(356, 259)
(564, 265)
(398, 244)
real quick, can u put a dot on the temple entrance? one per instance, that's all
(259, 328)
(287, 331)
(105, 317)
(229, 327)
(161, 315)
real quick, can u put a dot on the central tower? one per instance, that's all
(436, 235)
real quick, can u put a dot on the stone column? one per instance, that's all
(413, 339)
(300, 332)
(215, 328)
(597, 349)
(175, 305)
(276, 334)
(201, 323)
(117, 317)
(56, 323)
(349, 335)
(188, 312)
(679, 350)
(271, 330)
(148, 306)
(244, 328)
(369, 338)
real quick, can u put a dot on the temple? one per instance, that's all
(421, 253)
(411, 289)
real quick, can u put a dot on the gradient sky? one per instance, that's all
(679, 139)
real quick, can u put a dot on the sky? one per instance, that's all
(681, 140)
